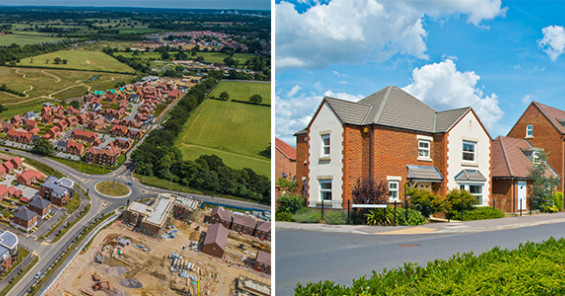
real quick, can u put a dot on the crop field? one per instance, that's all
(40, 85)
(24, 38)
(235, 132)
(78, 59)
(210, 57)
(243, 90)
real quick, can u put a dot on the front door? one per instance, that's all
(522, 195)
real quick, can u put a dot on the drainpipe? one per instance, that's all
(371, 154)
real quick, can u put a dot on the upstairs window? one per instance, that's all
(529, 130)
(469, 150)
(326, 145)
(424, 148)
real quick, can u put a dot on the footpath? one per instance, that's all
(433, 228)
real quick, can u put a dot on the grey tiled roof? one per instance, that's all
(349, 112)
(470, 175)
(446, 119)
(39, 203)
(24, 214)
(427, 173)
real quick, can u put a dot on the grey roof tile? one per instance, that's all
(427, 173)
(446, 119)
(470, 175)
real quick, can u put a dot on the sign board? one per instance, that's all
(369, 206)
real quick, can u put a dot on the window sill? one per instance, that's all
(469, 164)
(529, 137)
(324, 158)
(425, 159)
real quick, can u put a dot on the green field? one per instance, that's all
(243, 90)
(235, 132)
(24, 38)
(210, 57)
(78, 59)
(41, 85)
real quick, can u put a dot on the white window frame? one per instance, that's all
(424, 149)
(473, 153)
(535, 157)
(478, 196)
(529, 131)
(326, 146)
(393, 191)
(325, 190)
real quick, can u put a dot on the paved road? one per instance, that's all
(304, 256)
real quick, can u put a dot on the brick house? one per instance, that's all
(16, 120)
(119, 130)
(97, 124)
(27, 177)
(88, 136)
(243, 224)
(123, 143)
(107, 156)
(262, 262)
(72, 121)
(263, 230)
(285, 162)
(62, 124)
(512, 160)
(40, 206)
(3, 192)
(58, 191)
(19, 136)
(6, 126)
(2, 171)
(543, 127)
(219, 215)
(134, 133)
(391, 137)
(83, 118)
(74, 147)
(8, 250)
(9, 166)
(17, 162)
(24, 219)
(215, 241)
(30, 124)
(53, 132)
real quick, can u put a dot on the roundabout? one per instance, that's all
(112, 189)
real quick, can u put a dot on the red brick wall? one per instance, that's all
(545, 136)
(213, 249)
(283, 165)
(302, 148)
(503, 193)
(355, 159)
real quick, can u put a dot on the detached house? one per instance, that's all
(392, 137)
(58, 191)
(24, 219)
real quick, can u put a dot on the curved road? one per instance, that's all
(100, 205)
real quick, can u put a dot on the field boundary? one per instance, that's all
(71, 69)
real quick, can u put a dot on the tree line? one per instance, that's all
(15, 52)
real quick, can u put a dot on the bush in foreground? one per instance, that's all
(337, 217)
(386, 217)
(532, 269)
(307, 215)
(478, 213)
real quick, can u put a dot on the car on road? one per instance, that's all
(130, 183)
(6, 149)
(37, 275)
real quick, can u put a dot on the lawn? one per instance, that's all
(112, 188)
(78, 59)
(24, 38)
(235, 132)
(210, 57)
(243, 90)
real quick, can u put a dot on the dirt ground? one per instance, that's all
(151, 268)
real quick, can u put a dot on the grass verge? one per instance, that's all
(112, 188)
(18, 277)
(63, 231)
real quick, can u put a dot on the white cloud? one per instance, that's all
(294, 114)
(553, 42)
(293, 91)
(528, 98)
(443, 87)
(364, 30)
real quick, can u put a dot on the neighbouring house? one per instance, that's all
(83, 118)
(58, 191)
(219, 215)
(3, 192)
(107, 156)
(14, 192)
(119, 130)
(53, 132)
(285, 162)
(263, 230)
(512, 160)
(123, 143)
(24, 219)
(74, 147)
(263, 262)
(149, 219)
(544, 127)
(40, 206)
(215, 241)
(30, 124)
(97, 124)
(16, 120)
(27, 177)
(392, 137)
(2, 170)
(72, 121)
(17, 162)
(134, 133)
(9, 166)
(47, 118)
(62, 125)
(6, 126)
(8, 250)
(243, 224)
(19, 136)
(112, 113)
(83, 135)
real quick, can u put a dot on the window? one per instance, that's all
(530, 130)
(326, 145)
(424, 148)
(469, 150)
(475, 189)
(326, 189)
(535, 157)
(393, 190)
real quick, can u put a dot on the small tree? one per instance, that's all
(459, 200)
(543, 186)
(57, 60)
(256, 99)
(42, 146)
(369, 191)
(425, 202)
(65, 61)
(224, 96)
(75, 104)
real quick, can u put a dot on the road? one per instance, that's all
(304, 256)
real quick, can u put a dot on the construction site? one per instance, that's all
(124, 261)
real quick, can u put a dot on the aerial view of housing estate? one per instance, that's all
(420, 148)
(135, 149)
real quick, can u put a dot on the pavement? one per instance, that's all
(433, 227)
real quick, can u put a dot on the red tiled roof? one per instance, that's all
(285, 149)
(120, 128)
(74, 144)
(244, 221)
(509, 160)
(83, 133)
(27, 175)
(263, 257)
(3, 189)
(8, 165)
(16, 160)
(217, 234)
(556, 116)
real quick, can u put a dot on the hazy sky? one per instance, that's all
(198, 4)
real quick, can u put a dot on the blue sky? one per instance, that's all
(494, 56)
(196, 4)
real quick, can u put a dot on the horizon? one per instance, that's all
(254, 5)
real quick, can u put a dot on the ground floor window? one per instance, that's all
(475, 189)
(326, 189)
(393, 190)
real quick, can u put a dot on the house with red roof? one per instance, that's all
(219, 215)
(30, 124)
(134, 133)
(53, 132)
(97, 124)
(17, 120)
(19, 136)
(83, 135)
(47, 118)
(74, 147)
(263, 230)
(2, 171)
(72, 121)
(62, 124)
(285, 161)
(6, 126)
(17, 162)
(9, 166)
(83, 118)
(3, 192)
(107, 156)
(215, 241)
(119, 130)
(123, 143)
(27, 177)
(243, 224)
(262, 262)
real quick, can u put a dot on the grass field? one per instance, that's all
(41, 85)
(235, 132)
(112, 188)
(243, 90)
(24, 38)
(78, 59)
(210, 57)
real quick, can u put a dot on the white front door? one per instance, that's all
(522, 195)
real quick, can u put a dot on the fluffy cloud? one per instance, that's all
(553, 42)
(361, 30)
(293, 91)
(442, 86)
(294, 114)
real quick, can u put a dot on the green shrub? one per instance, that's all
(290, 203)
(460, 200)
(283, 216)
(337, 217)
(532, 269)
(558, 200)
(386, 217)
(307, 215)
(478, 213)
(425, 202)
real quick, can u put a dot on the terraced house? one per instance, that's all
(393, 137)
